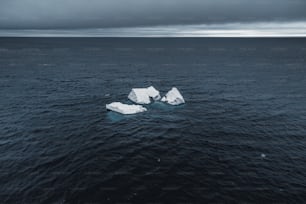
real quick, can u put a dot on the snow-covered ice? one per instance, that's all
(173, 97)
(140, 96)
(153, 93)
(144, 95)
(125, 108)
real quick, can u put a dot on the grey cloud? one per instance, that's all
(54, 14)
(263, 29)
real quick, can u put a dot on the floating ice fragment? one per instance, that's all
(139, 95)
(153, 93)
(125, 108)
(144, 95)
(173, 97)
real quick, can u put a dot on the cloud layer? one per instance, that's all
(75, 14)
(264, 29)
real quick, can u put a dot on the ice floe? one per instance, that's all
(144, 95)
(125, 108)
(173, 97)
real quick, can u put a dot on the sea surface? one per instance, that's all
(240, 137)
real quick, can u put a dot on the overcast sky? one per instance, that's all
(53, 14)
(99, 14)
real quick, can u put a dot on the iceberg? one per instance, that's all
(125, 108)
(144, 95)
(173, 97)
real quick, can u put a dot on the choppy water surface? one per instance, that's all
(241, 136)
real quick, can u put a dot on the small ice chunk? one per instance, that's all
(144, 95)
(139, 95)
(153, 93)
(125, 108)
(173, 97)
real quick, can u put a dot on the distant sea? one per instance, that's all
(240, 137)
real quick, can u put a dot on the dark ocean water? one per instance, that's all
(241, 136)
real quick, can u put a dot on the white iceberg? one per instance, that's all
(173, 97)
(144, 95)
(125, 108)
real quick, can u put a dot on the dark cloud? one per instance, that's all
(54, 14)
